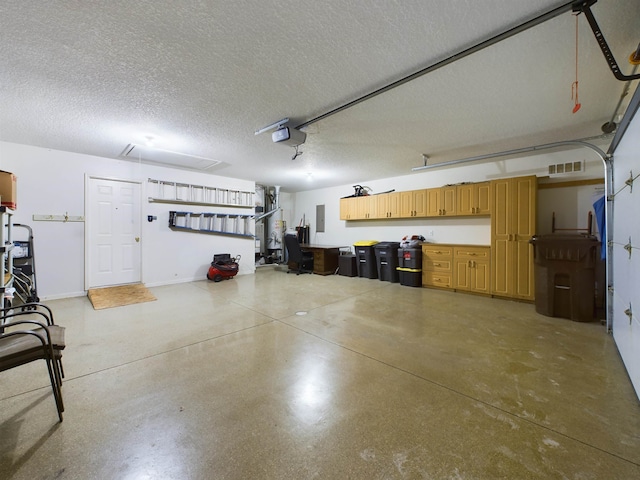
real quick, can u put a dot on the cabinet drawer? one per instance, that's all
(436, 264)
(436, 279)
(472, 253)
(437, 252)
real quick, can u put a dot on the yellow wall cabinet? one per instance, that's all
(358, 208)
(413, 203)
(513, 222)
(347, 208)
(471, 269)
(366, 207)
(453, 200)
(473, 199)
(441, 202)
(388, 205)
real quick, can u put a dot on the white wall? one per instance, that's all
(52, 182)
(571, 204)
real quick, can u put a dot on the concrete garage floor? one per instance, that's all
(376, 381)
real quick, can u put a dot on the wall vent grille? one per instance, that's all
(567, 168)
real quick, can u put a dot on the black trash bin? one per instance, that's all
(365, 258)
(387, 261)
(565, 280)
(410, 266)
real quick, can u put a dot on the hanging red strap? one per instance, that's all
(574, 85)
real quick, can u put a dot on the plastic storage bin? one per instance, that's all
(410, 266)
(410, 277)
(365, 258)
(565, 275)
(410, 258)
(347, 265)
(387, 261)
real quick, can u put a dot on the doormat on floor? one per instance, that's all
(109, 297)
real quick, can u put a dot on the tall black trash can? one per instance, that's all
(387, 261)
(565, 275)
(365, 258)
(410, 266)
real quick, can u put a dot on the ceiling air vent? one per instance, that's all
(566, 168)
(157, 156)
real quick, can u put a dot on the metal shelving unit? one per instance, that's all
(188, 194)
(212, 223)
(6, 245)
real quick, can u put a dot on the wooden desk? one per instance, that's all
(325, 257)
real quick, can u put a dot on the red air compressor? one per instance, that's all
(223, 267)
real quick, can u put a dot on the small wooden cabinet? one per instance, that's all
(473, 199)
(472, 269)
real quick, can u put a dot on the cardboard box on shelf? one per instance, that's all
(8, 189)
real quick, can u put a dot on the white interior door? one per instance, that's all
(113, 232)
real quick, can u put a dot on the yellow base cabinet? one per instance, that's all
(513, 223)
(437, 265)
(472, 269)
(457, 267)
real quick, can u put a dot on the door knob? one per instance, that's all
(137, 239)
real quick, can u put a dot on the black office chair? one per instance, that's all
(303, 259)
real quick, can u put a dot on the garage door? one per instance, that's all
(625, 247)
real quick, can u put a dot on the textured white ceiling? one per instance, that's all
(202, 76)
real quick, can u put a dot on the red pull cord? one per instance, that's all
(574, 85)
